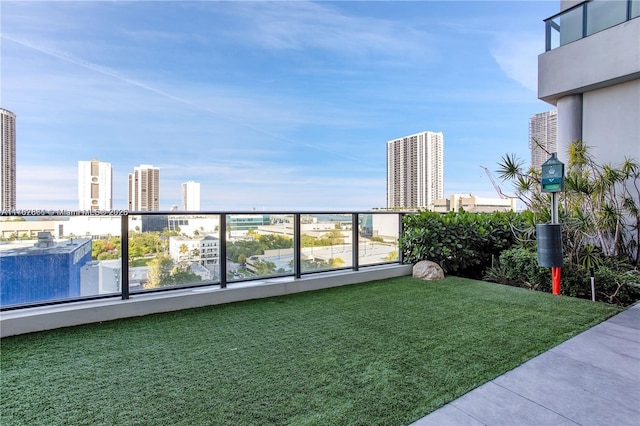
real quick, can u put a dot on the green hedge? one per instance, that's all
(462, 243)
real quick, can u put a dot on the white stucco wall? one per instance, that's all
(611, 122)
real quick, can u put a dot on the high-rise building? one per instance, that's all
(415, 170)
(191, 196)
(543, 131)
(144, 188)
(8, 160)
(95, 185)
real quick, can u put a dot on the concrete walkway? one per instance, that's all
(591, 379)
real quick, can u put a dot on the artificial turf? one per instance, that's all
(379, 353)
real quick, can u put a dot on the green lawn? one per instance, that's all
(139, 261)
(379, 353)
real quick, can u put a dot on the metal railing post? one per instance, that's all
(297, 246)
(584, 20)
(124, 259)
(355, 237)
(223, 251)
(400, 232)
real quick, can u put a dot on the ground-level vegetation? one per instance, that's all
(600, 218)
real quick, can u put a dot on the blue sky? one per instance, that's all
(269, 105)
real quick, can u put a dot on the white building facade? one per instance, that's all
(144, 188)
(191, 196)
(95, 185)
(543, 137)
(7, 160)
(472, 204)
(591, 72)
(415, 170)
(203, 250)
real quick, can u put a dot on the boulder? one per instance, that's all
(428, 270)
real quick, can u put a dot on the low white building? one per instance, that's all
(204, 250)
(471, 203)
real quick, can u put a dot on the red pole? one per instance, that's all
(555, 280)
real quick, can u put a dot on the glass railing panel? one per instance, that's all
(603, 14)
(259, 245)
(173, 250)
(571, 26)
(326, 242)
(378, 238)
(52, 258)
(588, 18)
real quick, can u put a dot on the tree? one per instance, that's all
(183, 275)
(271, 242)
(335, 237)
(160, 270)
(392, 256)
(307, 240)
(247, 248)
(264, 267)
(336, 262)
(97, 247)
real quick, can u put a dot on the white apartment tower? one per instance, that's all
(95, 185)
(191, 196)
(543, 137)
(7, 160)
(415, 170)
(144, 188)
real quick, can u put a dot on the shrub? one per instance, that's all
(519, 267)
(616, 282)
(461, 243)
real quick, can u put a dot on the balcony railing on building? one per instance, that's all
(586, 19)
(52, 259)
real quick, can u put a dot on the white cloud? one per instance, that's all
(299, 25)
(517, 56)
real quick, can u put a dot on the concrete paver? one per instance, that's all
(591, 379)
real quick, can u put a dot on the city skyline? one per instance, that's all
(270, 105)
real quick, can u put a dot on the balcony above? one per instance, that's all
(588, 54)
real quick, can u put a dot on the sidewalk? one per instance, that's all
(591, 379)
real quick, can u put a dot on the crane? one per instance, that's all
(495, 185)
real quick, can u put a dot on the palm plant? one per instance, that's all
(601, 203)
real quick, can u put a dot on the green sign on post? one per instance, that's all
(553, 175)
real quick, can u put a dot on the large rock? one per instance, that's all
(428, 270)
